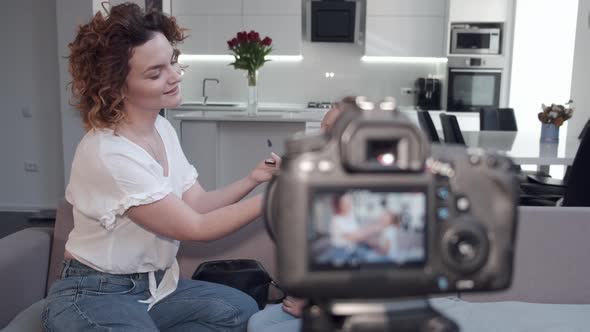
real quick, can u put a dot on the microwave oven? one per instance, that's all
(475, 39)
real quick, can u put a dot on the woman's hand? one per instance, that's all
(293, 306)
(265, 169)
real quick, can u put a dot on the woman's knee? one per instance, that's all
(235, 308)
(246, 308)
(268, 318)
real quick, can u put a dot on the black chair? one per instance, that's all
(428, 126)
(506, 119)
(585, 129)
(574, 187)
(497, 119)
(451, 129)
(488, 119)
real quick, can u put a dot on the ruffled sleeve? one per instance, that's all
(189, 177)
(105, 183)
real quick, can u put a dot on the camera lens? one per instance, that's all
(383, 152)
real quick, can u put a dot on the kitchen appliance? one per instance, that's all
(476, 38)
(333, 21)
(474, 83)
(319, 104)
(428, 92)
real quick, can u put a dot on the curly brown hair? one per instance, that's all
(99, 59)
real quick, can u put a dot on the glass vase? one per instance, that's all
(252, 107)
(549, 133)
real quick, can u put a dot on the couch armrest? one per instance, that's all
(551, 259)
(24, 261)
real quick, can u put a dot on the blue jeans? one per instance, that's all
(273, 318)
(88, 300)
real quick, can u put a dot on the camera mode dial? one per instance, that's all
(465, 246)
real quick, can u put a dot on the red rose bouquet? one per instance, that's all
(249, 52)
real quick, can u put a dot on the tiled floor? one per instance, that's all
(11, 222)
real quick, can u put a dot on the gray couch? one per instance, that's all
(551, 265)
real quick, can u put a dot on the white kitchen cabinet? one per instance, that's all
(407, 7)
(206, 7)
(405, 36)
(242, 145)
(212, 23)
(208, 34)
(285, 32)
(200, 145)
(225, 151)
(272, 7)
(479, 11)
(406, 28)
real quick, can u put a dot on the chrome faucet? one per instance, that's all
(205, 85)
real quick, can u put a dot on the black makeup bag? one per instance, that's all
(247, 275)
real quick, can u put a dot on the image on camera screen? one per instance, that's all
(362, 228)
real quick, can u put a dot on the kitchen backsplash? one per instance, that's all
(299, 82)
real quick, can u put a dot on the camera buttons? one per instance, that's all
(306, 166)
(443, 213)
(442, 193)
(325, 166)
(443, 283)
(463, 204)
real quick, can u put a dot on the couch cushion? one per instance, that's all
(29, 320)
(24, 256)
(64, 222)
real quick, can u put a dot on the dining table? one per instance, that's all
(526, 147)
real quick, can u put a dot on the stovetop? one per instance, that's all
(319, 104)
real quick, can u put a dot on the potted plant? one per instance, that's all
(552, 117)
(250, 53)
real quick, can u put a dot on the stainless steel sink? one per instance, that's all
(211, 104)
(246, 115)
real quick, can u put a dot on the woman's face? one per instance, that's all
(154, 77)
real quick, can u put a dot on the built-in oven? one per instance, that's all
(475, 39)
(473, 83)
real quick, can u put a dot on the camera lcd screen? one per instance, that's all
(366, 228)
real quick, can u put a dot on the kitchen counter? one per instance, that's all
(267, 112)
(277, 112)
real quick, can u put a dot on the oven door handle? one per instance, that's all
(493, 71)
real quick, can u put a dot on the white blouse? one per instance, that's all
(109, 175)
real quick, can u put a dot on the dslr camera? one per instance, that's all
(370, 210)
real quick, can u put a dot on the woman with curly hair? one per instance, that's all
(134, 194)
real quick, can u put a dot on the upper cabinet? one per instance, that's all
(206, 7)
(406, 7)
(278, 19)
(408, 28)
(272, 7)
(211, 23)
(479, 11)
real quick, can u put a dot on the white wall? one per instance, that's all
(542, 57)
(70, 14)
(28, 64)
(299, 82)
(581, 74)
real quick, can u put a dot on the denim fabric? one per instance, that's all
(273, 318)
(88, 300)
